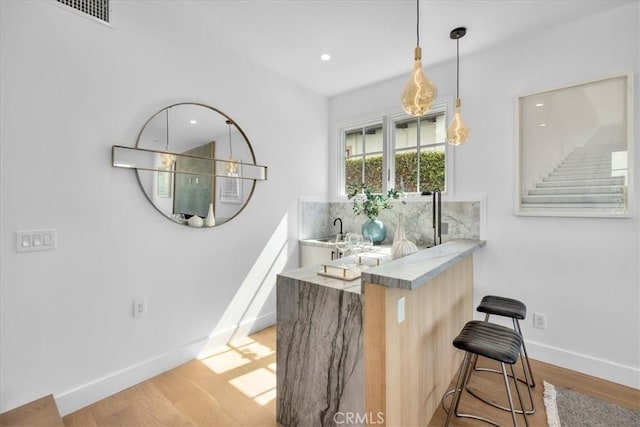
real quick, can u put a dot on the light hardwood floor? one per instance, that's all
(492, 387)
(236, 387)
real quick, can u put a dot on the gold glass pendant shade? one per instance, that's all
(458, 131)
(168, 159)
(420, 92)
(232, 166)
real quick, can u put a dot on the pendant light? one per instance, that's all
(420, 92)
(458, 131)
(232, 167)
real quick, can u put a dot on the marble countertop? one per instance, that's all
(408, 272)
(310, 274)
(324, 243)
(414, 270)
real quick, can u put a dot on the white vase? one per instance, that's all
(210, 219)
(401, 245)
(195, 221)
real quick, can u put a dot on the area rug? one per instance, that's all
(567, 408)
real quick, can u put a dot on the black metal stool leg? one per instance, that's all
(457, 392)
(516, 325)
(527, 382)
(466, 369)
(505, 376)
(524, 413)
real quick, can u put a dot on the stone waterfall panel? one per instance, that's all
(320, 359)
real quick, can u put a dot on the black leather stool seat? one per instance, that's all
(489, 340)
(502, 306)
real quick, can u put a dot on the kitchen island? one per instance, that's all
(375, 350)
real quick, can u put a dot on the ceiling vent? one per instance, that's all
(99, 9)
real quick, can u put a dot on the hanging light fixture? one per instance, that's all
(168, 159)
(458, 131)
(420, 92)
(232, 166)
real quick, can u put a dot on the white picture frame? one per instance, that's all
(574, 152)
(231, 189)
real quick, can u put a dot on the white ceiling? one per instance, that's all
(369, 40)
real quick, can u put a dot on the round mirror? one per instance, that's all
(202, 151)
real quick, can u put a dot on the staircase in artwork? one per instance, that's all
(583, 180)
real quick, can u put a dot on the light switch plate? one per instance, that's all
(36, 240)
(400, 310)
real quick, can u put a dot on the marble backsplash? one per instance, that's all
(461, 218)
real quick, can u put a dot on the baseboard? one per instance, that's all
(600, 368)
(77, 398)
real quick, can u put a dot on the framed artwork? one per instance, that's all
(165, 182)
(574, 153)
(231, 189)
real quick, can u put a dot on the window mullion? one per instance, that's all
(387, 173)
(418, 146)
(363, 177)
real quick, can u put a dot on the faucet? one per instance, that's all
(334, 224)
(436, 214)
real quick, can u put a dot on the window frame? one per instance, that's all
(388, 122)
(342, 148)
(376, 124)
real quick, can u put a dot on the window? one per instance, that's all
(396, 151)
(419, 153)
(364, 156)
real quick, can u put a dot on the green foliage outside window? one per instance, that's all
(372, 172)
(431, 171)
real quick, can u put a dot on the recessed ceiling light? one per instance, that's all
(325, 57)
(193, 122)
(540, 104)
(542, 125)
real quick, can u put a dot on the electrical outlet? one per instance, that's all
(444, 228)
(539, 320)
(139, 307)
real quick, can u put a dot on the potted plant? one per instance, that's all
(366, 202)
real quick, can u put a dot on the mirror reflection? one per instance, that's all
(181, 176)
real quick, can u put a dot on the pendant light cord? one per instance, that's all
(417, 22)
(458, 67)
(167, 147)
(230, 149)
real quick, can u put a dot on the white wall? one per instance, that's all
(71, 88)
(581, 272)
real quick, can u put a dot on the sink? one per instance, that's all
(325, 239)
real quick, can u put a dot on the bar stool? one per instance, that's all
(516, 311)
(496, 342)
